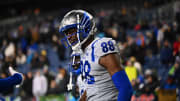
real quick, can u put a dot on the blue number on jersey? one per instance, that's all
(106, 46)
(86, 68)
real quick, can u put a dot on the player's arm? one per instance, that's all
(112, 63)
(11, 81)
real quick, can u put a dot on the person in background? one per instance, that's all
(48, 75)
(40, 85)
(131, 71)
(27, 87)
(20, 58)
(170, 84)
(59, 84)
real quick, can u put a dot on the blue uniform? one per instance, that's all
(10, 82)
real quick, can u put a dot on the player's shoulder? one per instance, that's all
(103, 46)
(99, 41)
(106, 39)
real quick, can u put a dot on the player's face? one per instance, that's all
(71, 35)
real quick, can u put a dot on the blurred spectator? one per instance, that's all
(175, 66)
(1, 65)
(20, 58)
(39, 61)
(137, 27)
(40, 85)
(3, 46)
(113, 32)
(137, 85)
(27, 94)
(166, 60)
(62, 80)
(23, 44)
(160, 35)
(10, 50)
(58, 47)
(129, 48)
(43, 60)
(59, 85)
(151, 61)
(169, 35)
(37, 11)
(170, 84)
(35, 34)
(175, 72)
(166, 53)
(137, 65)
(53, 87)
(151, 82)
(131, 71)
(48, 75)
(140, 40)
(34, 46)
(35, 61)
(144, 90)
(151, 42)
(176, 47)
(123, 35)
(30, 55)
(140, 47)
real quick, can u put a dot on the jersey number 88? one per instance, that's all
(106, 46)
(86, 68)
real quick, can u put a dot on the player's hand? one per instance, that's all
(12, 72)
(70, 84)
(83, 97)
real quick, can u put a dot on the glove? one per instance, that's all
(12, 72)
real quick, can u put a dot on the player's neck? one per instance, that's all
(89, 40)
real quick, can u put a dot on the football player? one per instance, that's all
(15, 79)
(103, 77)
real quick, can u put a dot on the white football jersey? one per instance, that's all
(97, 80)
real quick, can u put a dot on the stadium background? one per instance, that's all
(147, 33)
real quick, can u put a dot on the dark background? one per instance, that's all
(20, 6)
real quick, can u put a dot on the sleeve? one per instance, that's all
(10, 82)
(105, 46)
(123, 85)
